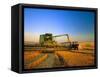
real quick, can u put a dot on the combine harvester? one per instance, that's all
(48, 44)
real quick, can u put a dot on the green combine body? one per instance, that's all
(47, 40)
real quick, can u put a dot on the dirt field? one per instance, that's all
(38, 59)
(84, 56)
(79, 58)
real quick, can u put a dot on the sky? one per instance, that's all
(78, 24)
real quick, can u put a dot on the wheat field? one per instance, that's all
(85, 56)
